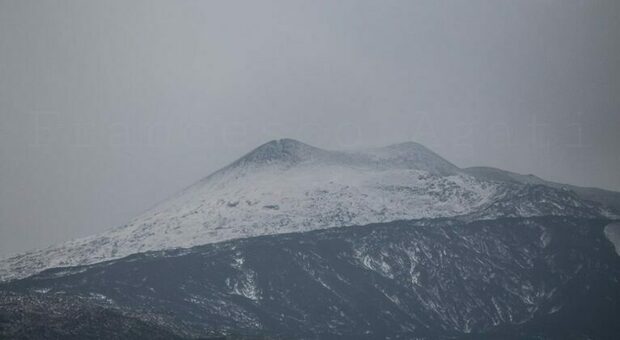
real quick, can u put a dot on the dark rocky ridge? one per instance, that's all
(536, 278)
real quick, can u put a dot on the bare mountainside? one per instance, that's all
(508, 278)
(287, 186)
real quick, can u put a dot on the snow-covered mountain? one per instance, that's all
(287, 186)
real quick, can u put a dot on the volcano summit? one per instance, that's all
(287, 186)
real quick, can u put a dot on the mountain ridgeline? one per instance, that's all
(287, 186)
(296, 242)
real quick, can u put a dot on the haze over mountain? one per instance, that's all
(108, 107)
(287, 186)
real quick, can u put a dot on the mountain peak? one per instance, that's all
(413, 155)
(290, 152)
(408, 145)
(404, 148)
(287, 186)
(284, 150)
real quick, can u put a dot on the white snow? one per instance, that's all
(283, 186)
(612, 233)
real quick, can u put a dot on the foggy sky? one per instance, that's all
(109, 107)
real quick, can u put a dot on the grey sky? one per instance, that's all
(109, 107)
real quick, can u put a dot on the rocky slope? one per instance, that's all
(287, 186)
(607, 198)
(514, 278)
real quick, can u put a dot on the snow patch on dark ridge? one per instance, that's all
(612, 232)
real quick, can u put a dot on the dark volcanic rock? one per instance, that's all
(60, 316)
(548, 277)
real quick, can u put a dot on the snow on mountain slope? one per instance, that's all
(607, 198)
(287, 186)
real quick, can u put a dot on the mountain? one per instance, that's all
(507, 278)
(66, 317)
(287, 186)
(605, 197)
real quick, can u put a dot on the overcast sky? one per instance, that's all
(109, 107)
